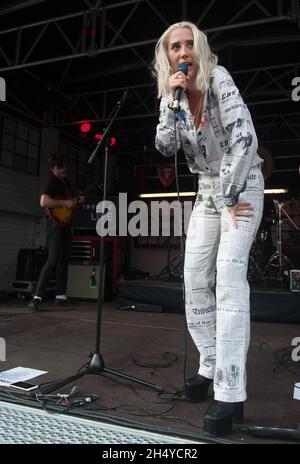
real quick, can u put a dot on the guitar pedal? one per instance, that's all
(295, 280)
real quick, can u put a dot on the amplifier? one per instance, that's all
(295, 280)
(30, 263)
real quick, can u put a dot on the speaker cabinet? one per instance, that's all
(83, 282)
(30, 263)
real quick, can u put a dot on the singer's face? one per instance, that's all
(180, 50)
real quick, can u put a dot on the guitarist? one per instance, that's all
(59, 238)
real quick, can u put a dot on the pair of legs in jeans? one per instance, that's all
(59, 240)
(217, 291)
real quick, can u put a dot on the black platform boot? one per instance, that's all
(196, 388)
(220, 417)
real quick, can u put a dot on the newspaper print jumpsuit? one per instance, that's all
(223, 152)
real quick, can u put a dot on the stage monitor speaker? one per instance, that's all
(83, 281)
(30, 263)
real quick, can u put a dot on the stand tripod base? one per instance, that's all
(97, 368)
(254, 271)
(278, 267)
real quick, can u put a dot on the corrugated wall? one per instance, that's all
(19, 219)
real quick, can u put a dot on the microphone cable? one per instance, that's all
(182, 247)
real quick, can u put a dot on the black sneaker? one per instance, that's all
(34, 304)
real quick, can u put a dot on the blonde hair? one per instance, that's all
(204, 57)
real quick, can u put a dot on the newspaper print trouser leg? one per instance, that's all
(218, 310)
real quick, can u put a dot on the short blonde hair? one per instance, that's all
(205, 59)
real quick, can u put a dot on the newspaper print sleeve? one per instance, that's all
(165, 138)
(236, 120)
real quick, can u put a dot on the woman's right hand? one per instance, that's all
(178, 79)
(241, 209)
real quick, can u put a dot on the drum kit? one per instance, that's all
(266, 263)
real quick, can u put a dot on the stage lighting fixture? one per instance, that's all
(112, 140)
(85, 127)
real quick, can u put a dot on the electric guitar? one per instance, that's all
(61, 215)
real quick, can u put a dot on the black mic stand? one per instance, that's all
(97, 365)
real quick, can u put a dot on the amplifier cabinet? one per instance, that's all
(30, 263)
(83, 282)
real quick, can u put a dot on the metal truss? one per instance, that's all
(97, 30)
(276, 84)
(95, 39)
(20, 5)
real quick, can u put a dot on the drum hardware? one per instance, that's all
(254, 271)
(279, 265)
(259, 253)
(174, 267)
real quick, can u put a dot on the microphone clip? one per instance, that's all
(176, 106)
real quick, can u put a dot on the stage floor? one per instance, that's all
(149, 346)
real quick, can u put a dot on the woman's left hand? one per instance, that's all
(240, 210)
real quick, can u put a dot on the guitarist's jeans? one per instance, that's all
(217, 310)
(59, 241)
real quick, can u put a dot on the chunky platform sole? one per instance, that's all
(220, 418)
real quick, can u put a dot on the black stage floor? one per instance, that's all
(150, 346)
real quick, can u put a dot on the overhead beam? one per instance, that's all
(68, 16)
(152, 84)
(16, 6)
(94, 49)
(88, 53)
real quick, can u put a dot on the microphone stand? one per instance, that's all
(96, 364)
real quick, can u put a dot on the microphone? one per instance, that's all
(178, 91)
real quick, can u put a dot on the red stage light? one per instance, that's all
(85, 127)
(112, 140)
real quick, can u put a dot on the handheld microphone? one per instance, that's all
(178, 91)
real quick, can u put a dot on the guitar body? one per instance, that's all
(62, 216)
